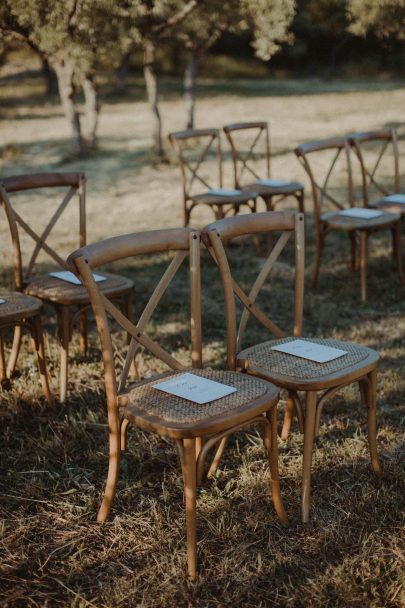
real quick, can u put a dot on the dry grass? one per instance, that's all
(54, 461)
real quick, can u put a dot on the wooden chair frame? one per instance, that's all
(190, 175)
(21, 311)
(193, 439)
(25, 275)
(323, 385)
(324, 223)
(243, 164)
(387, 138)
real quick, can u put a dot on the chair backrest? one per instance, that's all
(250, 146)
(377, 152)
(328, 165)
(194, 149)
(216, 235)
(176, 243)
(71, 184)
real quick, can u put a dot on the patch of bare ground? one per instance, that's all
(53, 461)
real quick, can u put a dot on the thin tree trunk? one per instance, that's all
(189, 83)
(122, 71)
(64, 73)
(152, 93)
(49, 77)
(91, 108)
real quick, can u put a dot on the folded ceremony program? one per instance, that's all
(395, 198)
(274, 183)
(223, 192)
(69, 277)
(195, 388)
(361, 213)
(310, 350)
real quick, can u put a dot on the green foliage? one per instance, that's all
(269, 22)
(383, 18)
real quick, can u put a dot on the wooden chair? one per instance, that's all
(323, 160)
(194, 149)
(377, 152)
(317, 381)
(19, 310)
(194, 428)
(251, 164)
(70, 301)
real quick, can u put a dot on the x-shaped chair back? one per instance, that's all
(183, 243)
(323, 160)
(290, 225)
(377, 152)
(250, 146)
(194, 149)
(73, 184)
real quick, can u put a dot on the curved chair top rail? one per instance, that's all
(188, 133)
(17, 183)
(254, 223)
(383, 134)
(237, 126)
(135, 243)
(321, 144)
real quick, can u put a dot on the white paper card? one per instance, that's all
(310, 350)
(361, 213)
(223, 192)
(395, 198)
(2, 301)
(195, 388)
(69, 277)
(274, 183)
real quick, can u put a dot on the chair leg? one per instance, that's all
(369, 395)
(301, 201)
(3, 374)
(83, 332)
(353, 251)
(15, 349)
(36, 331)
(217, 457)
(64, 336)
(319, 239)
(113, 470)
(309, 432)
(288, 418)
(271, 444)
(190, 492)
(363, 264)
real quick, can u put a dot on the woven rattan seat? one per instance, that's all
(19, 310)
(164, 409)
(282, 366)
(251, 156)
(193, 148)
(71, 302)
(325, 161)
(195, 428)
(56, 290)
(318, 381)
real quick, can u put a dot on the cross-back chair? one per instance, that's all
(70, 301)
(377, 152)
(19, 310)
(316, 381)
(324, 161)
(251, 156)
(196, 149)
(194, 428)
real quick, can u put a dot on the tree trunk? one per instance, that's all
(49, 77)
(122, 71)
(152, 93)
(91, 108)
(189, 84)
(64, 73)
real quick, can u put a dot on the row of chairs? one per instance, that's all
(195, 429)
(376, 151)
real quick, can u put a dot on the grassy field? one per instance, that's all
(52, 553)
